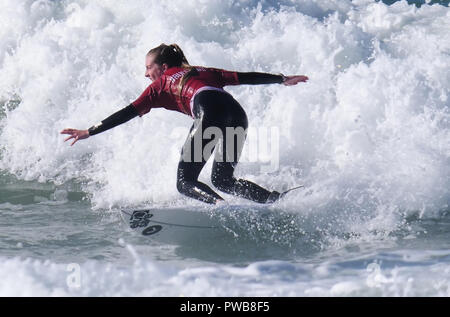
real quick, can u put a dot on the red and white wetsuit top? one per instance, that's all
(164, 92)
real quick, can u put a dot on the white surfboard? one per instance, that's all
(192, 224)
(172, 225)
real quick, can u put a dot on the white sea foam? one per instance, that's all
(26, 277)
(369, 134)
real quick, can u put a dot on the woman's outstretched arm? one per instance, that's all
(255, 78)
(112, 121)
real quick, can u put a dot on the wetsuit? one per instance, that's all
(219, 122)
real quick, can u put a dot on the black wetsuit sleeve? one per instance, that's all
(254, 78)
(114, 120)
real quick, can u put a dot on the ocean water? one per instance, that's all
(368, 136)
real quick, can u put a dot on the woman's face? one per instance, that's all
(153, 70)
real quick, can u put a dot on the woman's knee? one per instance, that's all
(181, 186)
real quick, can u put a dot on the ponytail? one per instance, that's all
(177, 49)
(172, 55)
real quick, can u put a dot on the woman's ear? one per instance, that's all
(165, 67)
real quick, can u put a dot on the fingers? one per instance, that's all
(67, 131)
(298, 79)
(75, 141)
(75, 134)
(70, 137)
(294, 80)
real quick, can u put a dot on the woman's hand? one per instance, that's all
(75, 134)
(294, 80)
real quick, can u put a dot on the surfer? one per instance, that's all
(198, 92)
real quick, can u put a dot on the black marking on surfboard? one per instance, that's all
(151, 230)
(140, 218)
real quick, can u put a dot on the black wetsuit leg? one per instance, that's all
(217, 114)
(191, 164)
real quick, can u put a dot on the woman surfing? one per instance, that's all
(198, 92)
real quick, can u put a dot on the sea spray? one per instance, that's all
(368, 134)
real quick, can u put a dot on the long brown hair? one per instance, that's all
(173, 56)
